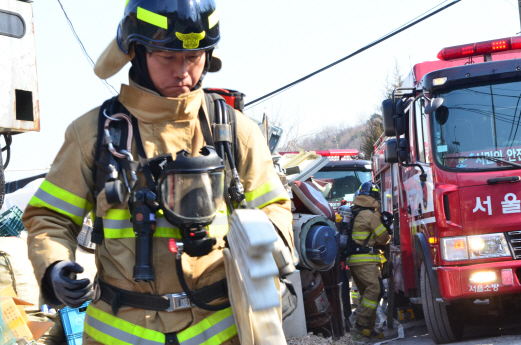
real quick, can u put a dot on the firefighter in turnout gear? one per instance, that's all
(366, 256)
(170, 45)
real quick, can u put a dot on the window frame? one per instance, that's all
(23, 25)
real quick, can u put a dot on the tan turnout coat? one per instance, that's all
(166, 125)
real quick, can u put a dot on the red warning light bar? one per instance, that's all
(328, 153)
(480, 48)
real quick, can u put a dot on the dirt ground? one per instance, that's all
(416, 333)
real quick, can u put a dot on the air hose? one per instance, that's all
(182, 281)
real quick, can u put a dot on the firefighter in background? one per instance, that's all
(170, 45)
(366, 255)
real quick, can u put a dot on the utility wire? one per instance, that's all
(89, 59)
(383, 38)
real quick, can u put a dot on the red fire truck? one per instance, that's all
(448, 165)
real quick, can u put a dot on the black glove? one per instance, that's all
(70, 292)
(387, 219)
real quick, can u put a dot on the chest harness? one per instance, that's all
(116, 127)
(351, 247)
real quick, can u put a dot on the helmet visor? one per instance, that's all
(192, 198)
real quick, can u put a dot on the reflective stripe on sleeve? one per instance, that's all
(361, 235)
(270, 192)
(61, 201)
(369, 303)
(105, 328)
(379, 230)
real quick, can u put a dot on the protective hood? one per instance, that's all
(366, 201)
(113, 59)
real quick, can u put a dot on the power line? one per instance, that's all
(510, 4)
(91, 62)
(383, 38)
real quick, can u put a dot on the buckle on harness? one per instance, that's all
(178, 301)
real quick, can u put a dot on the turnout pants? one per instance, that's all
(368, 279)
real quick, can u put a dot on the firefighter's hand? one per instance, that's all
(70, 292)
(387, 219)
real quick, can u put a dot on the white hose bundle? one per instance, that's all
(252, 275)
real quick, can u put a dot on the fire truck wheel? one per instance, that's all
(442, 321)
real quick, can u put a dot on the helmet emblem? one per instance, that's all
(191, 41)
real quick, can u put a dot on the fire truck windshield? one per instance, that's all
(342, 184)
(477, 122)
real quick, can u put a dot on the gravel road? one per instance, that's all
(416, 333)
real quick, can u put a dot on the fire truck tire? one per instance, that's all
(441, 320)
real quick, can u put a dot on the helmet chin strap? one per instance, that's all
(207, 64)
(139, 71)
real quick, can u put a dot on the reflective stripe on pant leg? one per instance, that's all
(61, 201)
(108, 329)
(369, 303)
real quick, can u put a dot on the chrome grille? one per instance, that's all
(514, 241)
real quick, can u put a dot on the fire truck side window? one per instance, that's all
(422, 133)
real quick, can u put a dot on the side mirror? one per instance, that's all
(434, 104)
(390, 113)
(442, 115)
(392, 156)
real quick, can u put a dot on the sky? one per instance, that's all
(264, 45)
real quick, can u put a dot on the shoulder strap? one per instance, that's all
(210, 105)
(103, 157)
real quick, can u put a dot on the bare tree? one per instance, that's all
(396, 81)
(371, 134)
(374, 127)
(290, 123)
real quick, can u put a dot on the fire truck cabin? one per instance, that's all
(449, 167)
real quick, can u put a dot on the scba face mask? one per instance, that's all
(191, 189)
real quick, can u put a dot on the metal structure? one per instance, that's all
(19, 102)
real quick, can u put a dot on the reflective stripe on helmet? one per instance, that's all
(152, 18)
(213, 19)
(59, 200)
(117, 224)
(108, 329)
(270, 192)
